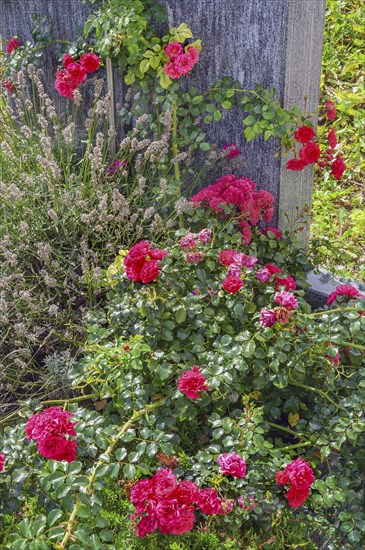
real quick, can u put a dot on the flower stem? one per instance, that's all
(175, 151)
(283, 429)
(296, 446)
(72, 519)
(329, 311)
(320, 392)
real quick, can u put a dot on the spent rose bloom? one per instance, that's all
(303, 134)
(233, 271)
(56, 447)
(90, 61)
(310, 152)
(205, 235)
(267, 318)
(234, 151)
(2, 462)
(173, 50)
(263, 275)
(194, 257)
(286, 299)
(208, 501)
(12, 45)
(245, 260)
(232, 284)
(187, 241)
(232, 464)
(192, 382)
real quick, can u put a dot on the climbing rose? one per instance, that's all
(296, 164)
(246, 232)
(338, 168)
(65, 85)
(208, 501)
(331, 110)
(303, 134)
(56, 447)
(67, 60)
(245, 260)
(205, 235)
(344, 290)
(173, 50)
(192, 382)
(90, 61)
(172, 70)
(2, 462)
(332, 139)
(232, 464)
(310, 152)
(234, 151)
(267, 318)
(185, 522)
(286, 299)
(12, 45)
(52, 421)
(149, 272)
(77, 72)
(185, 63)
(193, 52)
(232, 284)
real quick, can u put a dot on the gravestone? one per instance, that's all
(275, 43)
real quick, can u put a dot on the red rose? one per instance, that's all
(2, 461)
(287, 282)
(331, 110)
(300, 473)
(12, 45)
(296, 164)
(310, 152)
(303, 134)
(149, 271)
(246, 232)
(90, 61)
(141, 491)
(192, 382)
(296, 497)
(338, 168)
(56, 447)
(52, 420)
(77, 72)
(147, 524)
(67, 60)
(332, 139)
(226, 257)
(272, 268)
(65, 85)
(232, 284)
(208, 501)
(232, 464)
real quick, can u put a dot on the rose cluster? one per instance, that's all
(299, 476)
(165, 504)
(348, 291)
(75, 73)
(235, 261)
(51, 429)
(239, 192)
(286, 302)
(181, 61)
(141, 262)
(190, 243)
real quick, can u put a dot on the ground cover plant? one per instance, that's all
(170, 385)
(338, 207)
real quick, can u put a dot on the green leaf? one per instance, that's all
(248, 348)
(180, 315)
(129, 471)
(130, 77)
(53, 516)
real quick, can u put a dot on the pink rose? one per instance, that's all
(208, 501)
(192, 382)
(65, 85)
(338, 168)
(172, 70)
(286, 299)
(226, 257)
(267, 318)
(90, 61)
(173, 50)
(205, 235)
(296, 497)
(2, 462)
(233, 271)
(185, 63)
(246, 232)
(233, 150)
(56, 447)
(147, 524)
(141, 491)
(232, 464)
(149, 271)
(193, 52)
(331, 110)
(188, 241)
(185, 523)
(186, 492)
(232, 284)
(168, 512)
(164, 483)
(332, 139)
(263, 275)
(300, 473)
(67, 60)
(348, 291)
(287, 282)
(52, 420)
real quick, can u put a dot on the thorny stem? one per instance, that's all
(72, 519)
(320, 392)
(296, 446)
(329, 311)
(283, 429)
